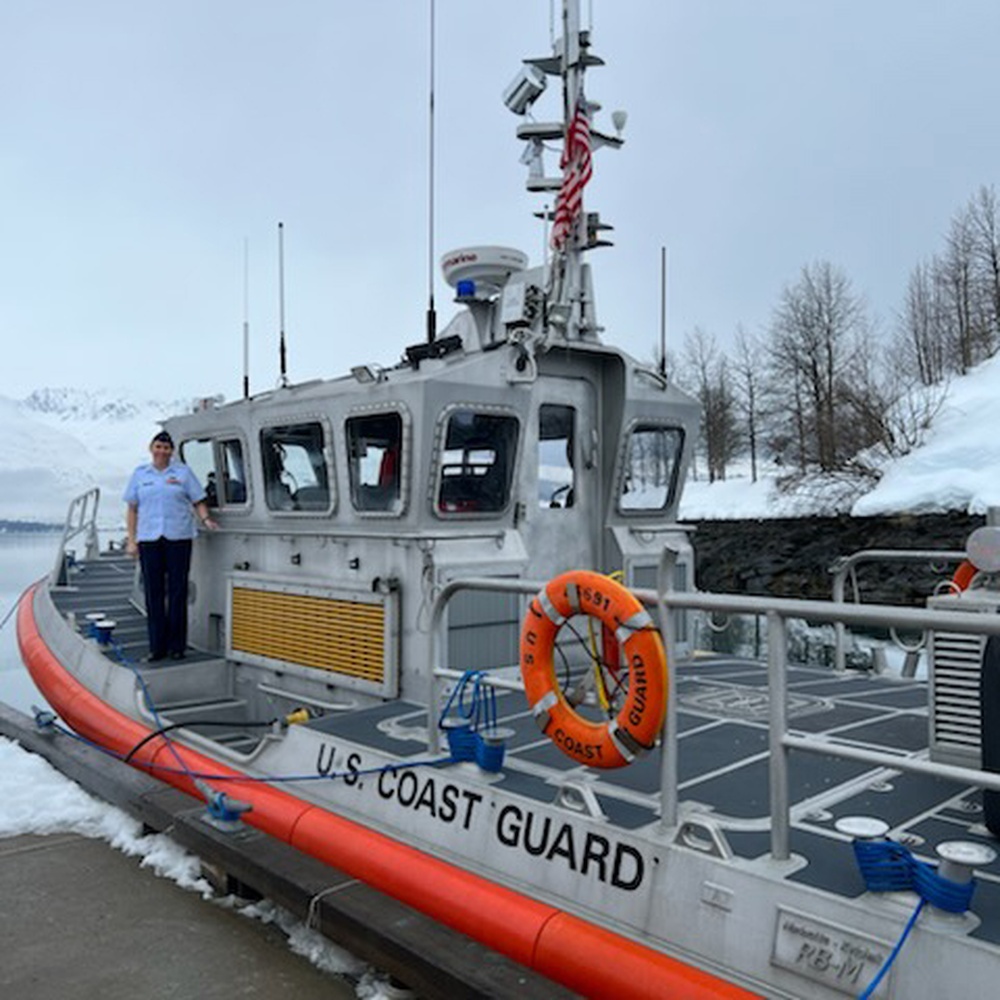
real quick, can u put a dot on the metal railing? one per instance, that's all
(847, 565)
(777, 612)
(81, 519)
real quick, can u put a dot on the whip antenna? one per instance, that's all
(282, 355)
(431, 312)
(246, 318)
(663, 311)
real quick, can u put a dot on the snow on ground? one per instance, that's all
(957, 467)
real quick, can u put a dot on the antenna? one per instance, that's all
(663, 311)
(246, 318)
(282, 355)
(431, 313)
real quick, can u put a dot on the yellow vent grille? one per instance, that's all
(343, 636)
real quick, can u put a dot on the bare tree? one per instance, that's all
(707, 376)
(816, 331)
(922, 326)
(747, 369)
(985, 228)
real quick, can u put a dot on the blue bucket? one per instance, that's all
(490, 749)
(93, 617)
(461, 738)
(103, 630)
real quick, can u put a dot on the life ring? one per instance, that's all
(638, 723)
(964, 575)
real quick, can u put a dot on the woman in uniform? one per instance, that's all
(163, 498)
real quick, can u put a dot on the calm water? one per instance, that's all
(23, 559)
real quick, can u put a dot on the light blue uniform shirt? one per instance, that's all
(164, 500)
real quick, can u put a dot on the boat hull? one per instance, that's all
(576, 953)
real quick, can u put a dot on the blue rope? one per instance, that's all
(45, 720)
(491, 757)
(469, 714)
(887, 964)
(890, 867)
(128, 662)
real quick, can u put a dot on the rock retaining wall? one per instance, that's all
(792, 557)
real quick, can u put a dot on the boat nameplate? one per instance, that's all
(828, 953)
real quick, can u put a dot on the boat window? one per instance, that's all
(555, 456)
(295, 473)
(234, 476)
(477, 463)
(374, 447)
(652, 457)
(197, 454)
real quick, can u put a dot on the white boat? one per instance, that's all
(441, 640)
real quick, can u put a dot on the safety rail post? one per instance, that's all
(841, 567)
(669, 780)
(80, 517)
(438, 637)
(437, 646)
(777, 668)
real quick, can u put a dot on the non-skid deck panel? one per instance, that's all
(755, 677)
(897, 799)
(362, 725)
(904, 731)
(105, 586)
(903, 698)
(837, 716)
(743, 791)
(830, 863)
(710, 749)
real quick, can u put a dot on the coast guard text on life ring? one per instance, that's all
(637, 724)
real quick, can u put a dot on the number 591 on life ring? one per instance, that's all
(636, 726)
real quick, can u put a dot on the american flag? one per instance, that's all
(577, 170)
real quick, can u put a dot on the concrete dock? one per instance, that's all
(78, 919)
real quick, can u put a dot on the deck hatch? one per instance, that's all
(346, 632)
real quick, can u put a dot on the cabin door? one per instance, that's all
(566, 515)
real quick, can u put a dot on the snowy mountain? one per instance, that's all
(57, 443)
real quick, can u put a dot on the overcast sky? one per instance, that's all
(142, 141)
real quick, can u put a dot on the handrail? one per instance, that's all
(437, 638)
(847, 564)
(80, 518)
(781, 742)
(778, 611)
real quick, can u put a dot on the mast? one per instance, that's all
(569, 293)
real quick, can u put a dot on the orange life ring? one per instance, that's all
(963, 575)
(638, 723)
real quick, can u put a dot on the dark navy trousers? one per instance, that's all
(165, 568)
